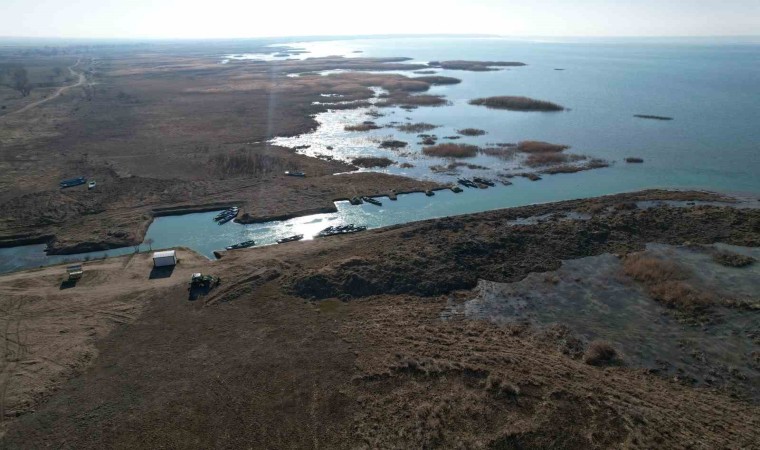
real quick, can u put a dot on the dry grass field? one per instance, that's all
(127, 359)
(167, 127)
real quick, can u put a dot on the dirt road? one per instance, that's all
(58, 92)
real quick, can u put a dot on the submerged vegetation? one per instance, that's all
(513, 103)
(649, 116)
(393, 144)
(371, 161)
(365, 126)
(731, 259)
(418, 127)
(569, 168)
(409, 101)
(540, 147)
(499, 152)
(471, 132)
(438, 80)
(550, 158)
(451, 150)
(474, 66)
(452, 167)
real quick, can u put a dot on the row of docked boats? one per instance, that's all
(251, 243)
(340, 229)
(226, 215)
(329, 231)
(476, 182)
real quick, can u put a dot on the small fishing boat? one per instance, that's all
(91, 184)
(467, 183)
(429, 193)
(372, 200)
(485, 181)
(296, 237)
(244, 244)
(226, 212)
(227, 218)
(341, 229)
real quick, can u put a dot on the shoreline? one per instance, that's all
(533, 209)
(371, 311)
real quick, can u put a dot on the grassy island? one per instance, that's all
(451, 150)
(514, 103)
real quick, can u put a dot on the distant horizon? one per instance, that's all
(240, 19)
(329, 37)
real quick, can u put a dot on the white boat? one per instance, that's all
(91, 184)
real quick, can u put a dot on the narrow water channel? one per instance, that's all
(200, 233)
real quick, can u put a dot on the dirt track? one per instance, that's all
(256, 365)
(82, 79)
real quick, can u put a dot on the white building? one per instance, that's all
(165, 258)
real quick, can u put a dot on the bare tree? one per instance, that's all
(150, 242)
(20, 81)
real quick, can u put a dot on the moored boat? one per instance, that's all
(341, 229)
(485, 181)
(372, 200)
(227, 218)
(296, 237)
(467, 183)
(244, 244)
(226, 212)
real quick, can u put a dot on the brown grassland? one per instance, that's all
(340, 343)
(174, 129)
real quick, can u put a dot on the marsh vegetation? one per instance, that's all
(418, 127)
(449, 150)
(371, 161)
(438, 80)
(516, 103)
(393, 144)
(471, 132)
(365, 126)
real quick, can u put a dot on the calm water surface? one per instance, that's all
(711, 90)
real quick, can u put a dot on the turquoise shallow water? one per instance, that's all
(711, 89)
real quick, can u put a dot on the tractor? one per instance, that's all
(199, 280)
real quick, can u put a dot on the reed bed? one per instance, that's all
(471, 132)
(449, 150)
(516, 103)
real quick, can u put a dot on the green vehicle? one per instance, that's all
(199, 280)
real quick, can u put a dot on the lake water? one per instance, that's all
(711, 90)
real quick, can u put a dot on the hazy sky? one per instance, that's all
(250, 18)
